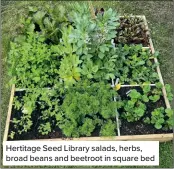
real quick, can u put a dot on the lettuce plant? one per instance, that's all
(134, 108)
(169, 92)
(161, 118)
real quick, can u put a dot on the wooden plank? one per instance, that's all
(9, 113)
(148, 137)
(158, 69)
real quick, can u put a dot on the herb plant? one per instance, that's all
(86, 105)
(32, 64)
(45, 101)
(108, 129)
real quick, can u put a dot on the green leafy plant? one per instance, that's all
(83, 105)
(27, 109)
(158, 117)
(135, 105)
(156, 93)
(93, 36)
(132, 30)
(31, 63)
(24, 122)
(11, 135)
(108, 129)
(161, 118)
(136, 65)
(47, 20)
(89, 69)
(134, 108)
(75, 56)
(106, 24)
(169, 122)
(88, 127)
(69, 70)
(45, 128)
(169, 92)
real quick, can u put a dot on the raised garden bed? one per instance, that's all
(69, 92)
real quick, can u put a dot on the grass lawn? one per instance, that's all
(160, 21)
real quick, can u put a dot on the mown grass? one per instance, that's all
(160, 21)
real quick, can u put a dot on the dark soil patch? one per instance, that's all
(33, 132)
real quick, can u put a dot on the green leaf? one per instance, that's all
(147, 120)
(159, 85)
(47, 24)
(139, 112)
(168, 88)
(32, 8)
(30, 28)
(146, 89)
(38, 17)
(158, 126)
(90, 76)
(156, 54)
(101, 55)
(36, 79)
(109, 76)
(160, 121)
(20, 39)
(154, 98)
(95, 68)
(169, 112)
(80, 43)
(134, 94)
(145, 98)
(102, 49)
(108, 129)
(140, 63)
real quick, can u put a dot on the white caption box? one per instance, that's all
(86, 153)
